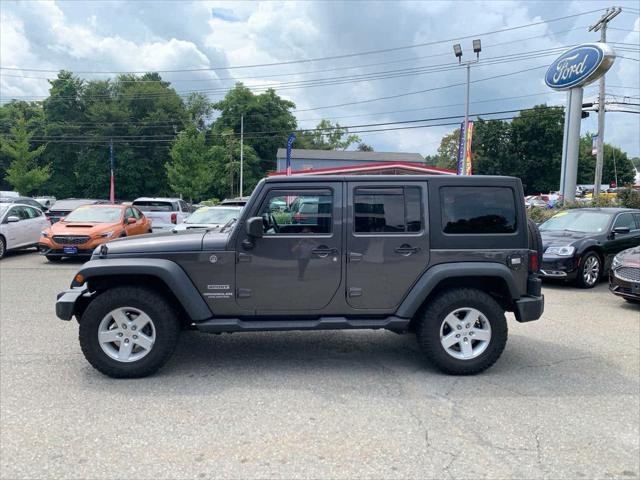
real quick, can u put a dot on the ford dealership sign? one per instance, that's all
(579, 66)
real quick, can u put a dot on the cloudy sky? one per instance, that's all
(212, 39)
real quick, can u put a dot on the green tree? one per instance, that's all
(363, 147)
(24, 174)
(267, 121)
(226, 164)
(327, 136)
(447, 156)
(491, 148)
(616, 164)
(190, 171)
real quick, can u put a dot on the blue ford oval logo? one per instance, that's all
(580, 65)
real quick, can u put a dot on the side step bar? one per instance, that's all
(228, 325)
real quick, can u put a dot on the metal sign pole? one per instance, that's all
(571, 144)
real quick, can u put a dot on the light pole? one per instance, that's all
(457, 49)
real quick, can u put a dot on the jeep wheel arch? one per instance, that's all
(166, 271)
(444, 273)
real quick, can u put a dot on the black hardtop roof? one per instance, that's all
(471, 179)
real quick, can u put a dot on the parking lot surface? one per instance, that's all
(562, 402)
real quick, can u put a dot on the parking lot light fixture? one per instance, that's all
(477, 47)
(457, 49)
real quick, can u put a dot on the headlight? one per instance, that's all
(561, 251)
(44, 233)
(617, 261)
(107, 234)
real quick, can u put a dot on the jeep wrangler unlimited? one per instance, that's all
(441, 256)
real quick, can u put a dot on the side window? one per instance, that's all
(30, 212)
(387, 210)
(184, 206)
(299, 212)
(16, 212)
(128, 213)
(625, 220)
(136, 213)
(478, 210)
(637, 217)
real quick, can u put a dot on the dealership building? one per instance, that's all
(338, 162)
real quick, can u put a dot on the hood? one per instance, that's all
(83, 228)
(560, 238)
(187, 241)
(630, 257)
(191, 226)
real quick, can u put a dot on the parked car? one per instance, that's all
(20, 226)
(209, 217)
(62, 208)
(624, 276)
(164, 213)
(88, 226)
(444, 256)
(580, 244)
(238, 201)
(24, 201)
(46, 202)
(536, 201)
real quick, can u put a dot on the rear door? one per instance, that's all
(387, 242)
(296, 266)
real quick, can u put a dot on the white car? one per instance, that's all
(164, 213)
(20, 226)
(210, 217)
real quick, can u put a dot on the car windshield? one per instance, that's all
(95, 215)
(3, 207)
(213, 215)
(578, 221)
(154, 206)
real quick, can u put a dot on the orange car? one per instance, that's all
(80, 232)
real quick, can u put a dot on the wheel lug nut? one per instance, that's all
(126, 340)
(120, 334)
(135, 337)
(470, 333)
(124, 326)
(459, 327)
(466, 326)
(133, 327)
(466, 339)
(457, 335)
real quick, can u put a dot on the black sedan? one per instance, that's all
(579, 245)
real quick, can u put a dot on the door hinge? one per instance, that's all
(244, 257)
(244, 292)
(355, 292)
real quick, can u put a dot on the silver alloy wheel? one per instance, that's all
(591, 270)
(465, 333)
(126, 334)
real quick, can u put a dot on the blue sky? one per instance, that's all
(140, 36)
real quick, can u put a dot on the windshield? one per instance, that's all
(579, 221)
(3, 207)
(95, 215)
(213, 215)
(154, 206)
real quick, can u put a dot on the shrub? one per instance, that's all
(629, 198)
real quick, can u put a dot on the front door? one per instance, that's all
(387, 242)
(622, 241)
(296, 266)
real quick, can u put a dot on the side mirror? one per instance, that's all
(621, 230)
(131, 220)
(13, 219)
(255, 227)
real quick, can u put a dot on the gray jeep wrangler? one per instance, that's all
(442, 256)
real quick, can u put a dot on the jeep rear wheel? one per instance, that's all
(128, 332)
(462, 331)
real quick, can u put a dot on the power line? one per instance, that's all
(332, 57)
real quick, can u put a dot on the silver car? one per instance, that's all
(210, 217)
(20, 226)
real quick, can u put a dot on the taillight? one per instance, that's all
(174, 217)
(534, 261)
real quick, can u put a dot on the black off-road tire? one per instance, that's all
(162, 314)
(53, 258)
(580, 281)
(3, 247)
(430, 320)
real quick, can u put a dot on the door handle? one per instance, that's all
(324, 251)
(406, 250)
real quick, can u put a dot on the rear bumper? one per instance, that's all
(529, 308)
(66, 303)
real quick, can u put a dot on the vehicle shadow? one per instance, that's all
(370, 363)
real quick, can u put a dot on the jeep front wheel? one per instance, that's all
(128, 332)
(462, 331)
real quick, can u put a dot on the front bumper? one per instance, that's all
(563, 268)
(66, 303)
(46, 246)
(623, 287)
(529, 308)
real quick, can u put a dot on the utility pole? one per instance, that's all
(457, 49)
(601, 25)
(241, 151)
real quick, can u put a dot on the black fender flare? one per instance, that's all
(436, 274)
(169, 272)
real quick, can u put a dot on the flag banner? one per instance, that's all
(290, 141)
(112, 184)
(461, 149)
(594, 145)
(469, 139)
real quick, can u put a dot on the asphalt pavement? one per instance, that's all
(562, 402)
